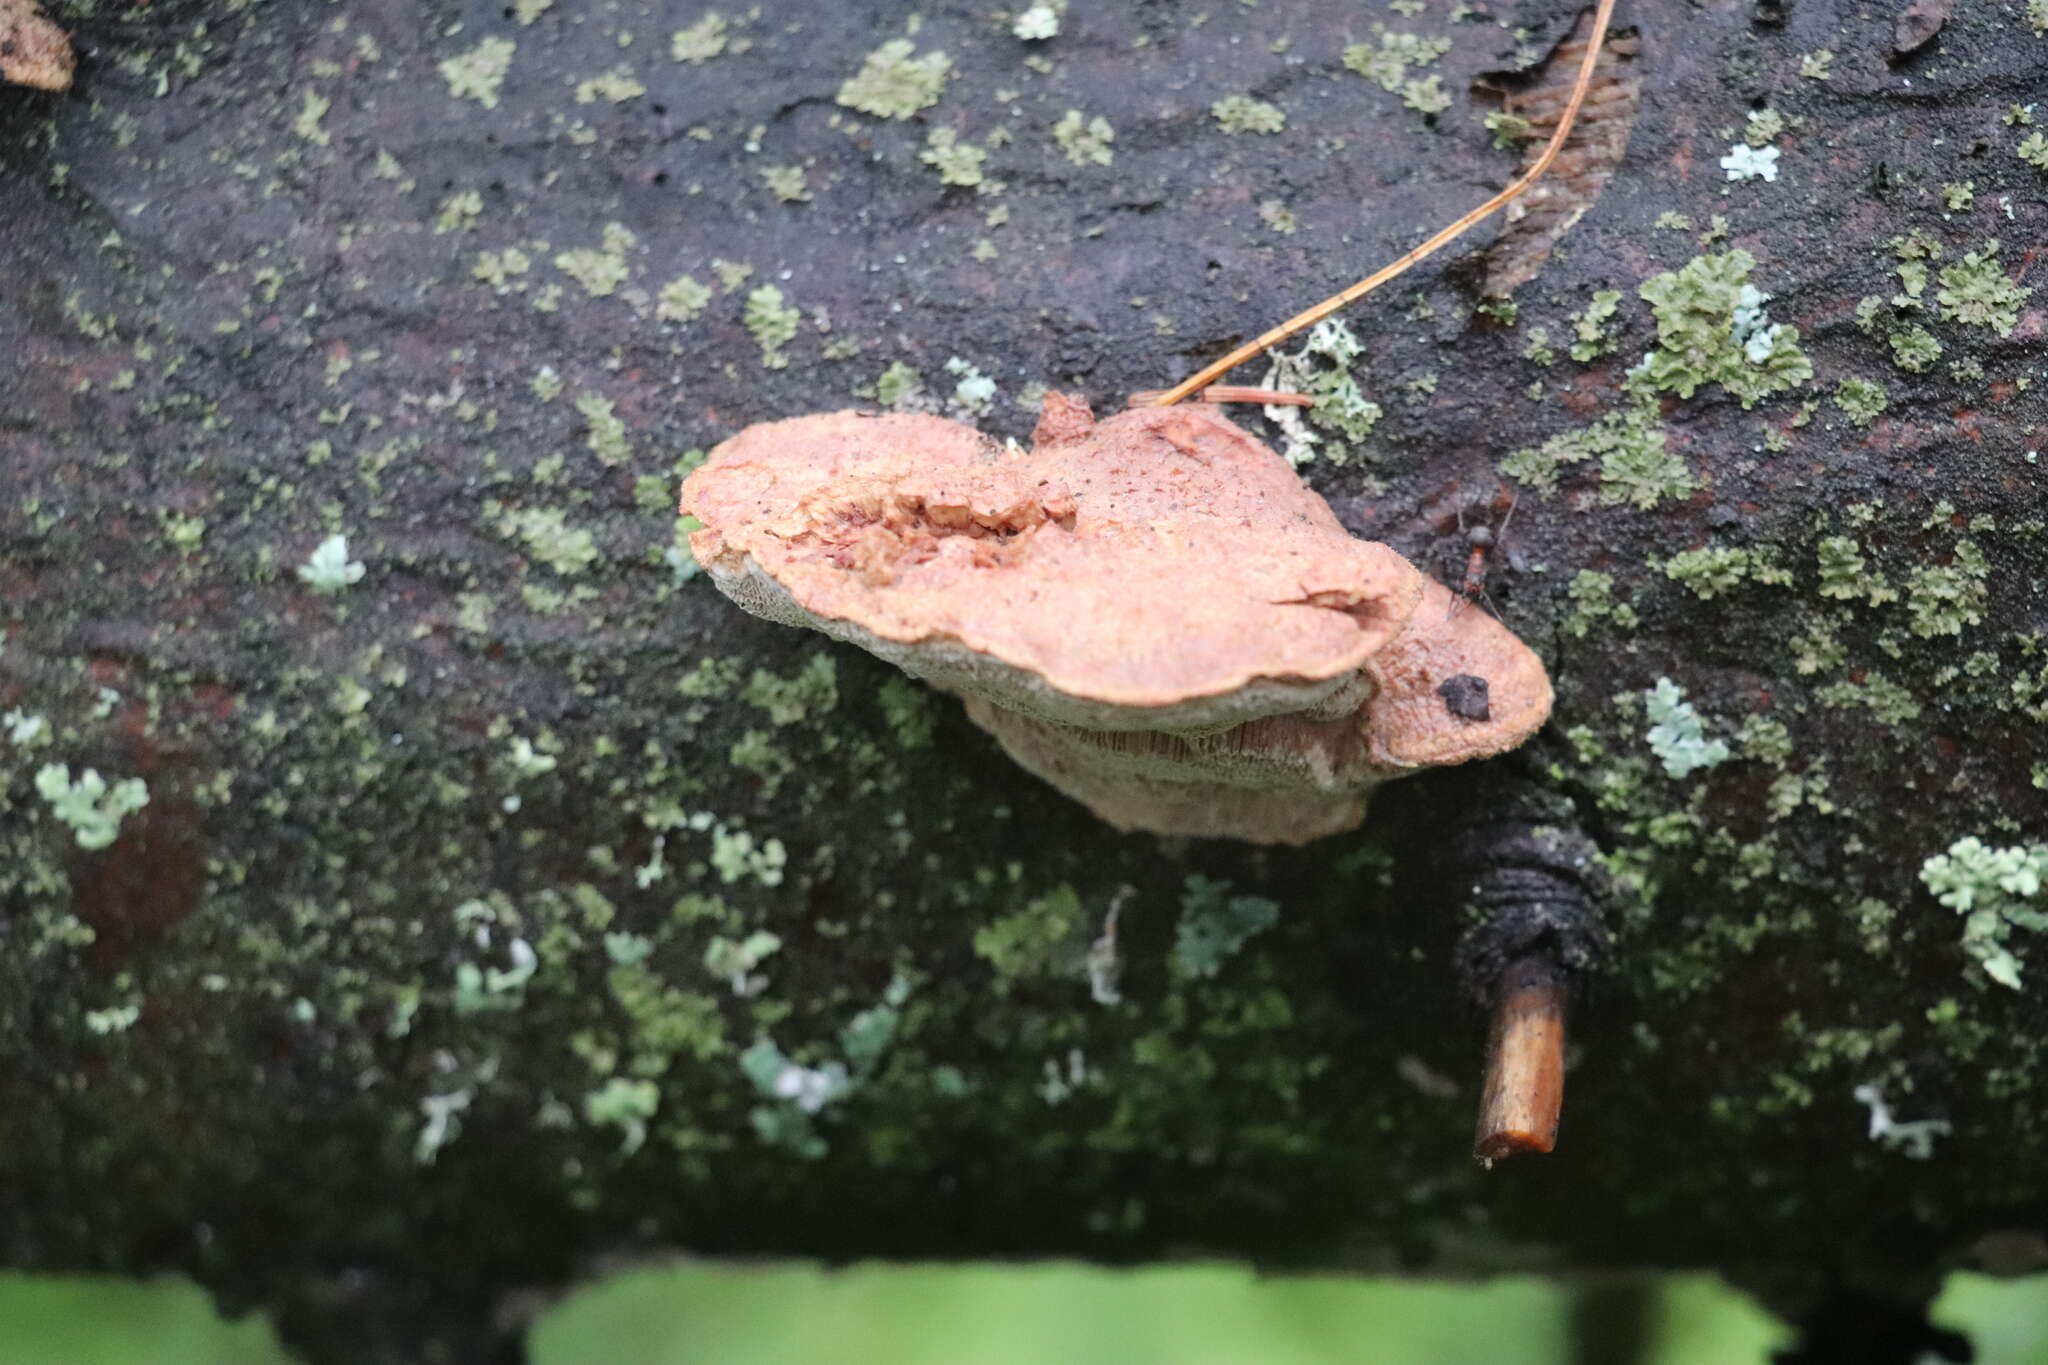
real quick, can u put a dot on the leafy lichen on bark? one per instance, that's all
(434, 866)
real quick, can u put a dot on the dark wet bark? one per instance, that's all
(246, 306)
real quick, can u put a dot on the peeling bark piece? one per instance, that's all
(1152, 612)
(33, 51)
(1587, 162)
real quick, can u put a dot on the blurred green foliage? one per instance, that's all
(705, 1313)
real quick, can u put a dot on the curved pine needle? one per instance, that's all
(1217, 369)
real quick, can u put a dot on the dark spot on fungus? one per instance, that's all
(1465, 697)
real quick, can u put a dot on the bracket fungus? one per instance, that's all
(1152, 612)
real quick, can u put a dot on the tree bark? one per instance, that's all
(423, 981)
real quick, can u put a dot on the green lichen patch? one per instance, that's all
(1861, 400)
(600, 270)
(1085, 140)
(1635, 466)
(1593, 601)
(1426, 95)
(786, 183)
(1322, 369)
(615, 86)
(812, 691)
(1914, 349)
(546, 532)
(1717, 569)
(894, 83)
(1976, 291)
(1214, 924)
(1996, 890)
(1386, 62)
(957, 162)
(88, 804)
(681, 300)
(329, 569)
(907, 711)
(773, 324)
(477, 73)
(1589, 326)
(1941, 599)
(1712, 329)
(1041, 940)
(1243, 114)
(701, 41)
(1676, 735)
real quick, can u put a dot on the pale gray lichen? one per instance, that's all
(329, 569)
(1676, 736)
(1996, 890)
(88, 805)
(1214, 924)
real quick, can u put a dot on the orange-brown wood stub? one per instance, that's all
(1524, 1090)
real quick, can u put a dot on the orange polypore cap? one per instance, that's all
(1152, 612)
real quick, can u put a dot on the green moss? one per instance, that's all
(892, 83)
(2033, 150)
(1860, 400)
(478, 73)
(1084, 140)
(772, 323)
(1711, 329)
(1975, 291)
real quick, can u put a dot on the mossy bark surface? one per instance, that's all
(434, 970)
